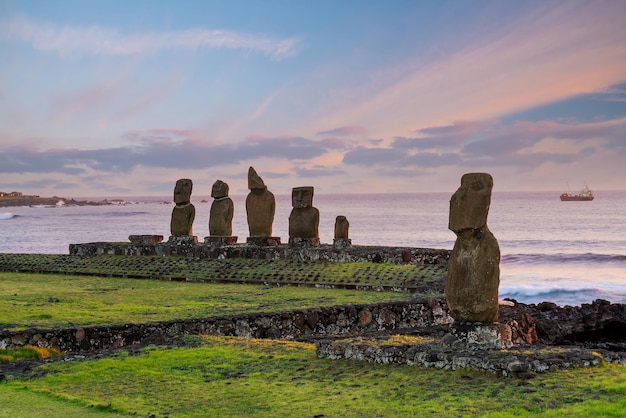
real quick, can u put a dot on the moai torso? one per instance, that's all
(222, 211)
(260, 206)
(184, 212)
(304, 218)
(341, 227)
(474, 265)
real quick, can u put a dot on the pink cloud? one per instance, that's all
(538, 60)
(344, 131)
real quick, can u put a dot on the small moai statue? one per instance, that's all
(184, 212)
(474, 266)
(221, 216)
(260, 209)
(304, 219)
(341, 233)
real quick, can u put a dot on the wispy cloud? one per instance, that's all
(566, 50)
(344, 131)
(99, 40)
(164, 148)
(523, 144)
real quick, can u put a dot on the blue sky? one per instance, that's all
(122, 98)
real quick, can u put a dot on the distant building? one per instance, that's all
(12, 194)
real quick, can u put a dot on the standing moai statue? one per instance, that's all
(221, 216)
(474, 266)
(341, 233)
(184, 212)
(304, 219)
(260, 209)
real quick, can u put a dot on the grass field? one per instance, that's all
(236, 377)
(49, 300)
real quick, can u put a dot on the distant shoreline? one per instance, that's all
(48, 201)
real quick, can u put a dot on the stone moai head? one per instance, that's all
(302, 197)
(469, 205)
(182, 191)
(341, 227)
(219, 190)
(255, 182)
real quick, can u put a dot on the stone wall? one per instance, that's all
(329, 321)
(394, 255)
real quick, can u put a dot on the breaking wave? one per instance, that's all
(585, 258)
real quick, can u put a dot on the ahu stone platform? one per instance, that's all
(192, 248)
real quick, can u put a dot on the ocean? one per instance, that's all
(568, 253)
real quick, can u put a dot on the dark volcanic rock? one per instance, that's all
(597, 322)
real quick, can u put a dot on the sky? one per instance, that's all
(122, 98)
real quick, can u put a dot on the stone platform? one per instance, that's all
(211, 250)
(431, 347)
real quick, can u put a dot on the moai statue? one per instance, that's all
(474, 266)
(304, 219)
(221, 216)
(341, 233)
(184, 212)
(260, 208)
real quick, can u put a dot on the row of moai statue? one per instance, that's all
(260, 209)
(473, 268)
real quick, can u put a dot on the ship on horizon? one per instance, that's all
(585, 195)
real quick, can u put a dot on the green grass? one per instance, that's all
(232, 270)
(18, 401)
(235, 377)
(49, 300)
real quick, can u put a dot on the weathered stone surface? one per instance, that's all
(291, 324)
(304, 218)
(474, 265)
(341, 239)
(341, 243)
(260, 206)
(481, 335)
(182, 241)
(145, 239)
(469, 205)
(220, 241)
(268, 248)
(304, 242)
(184, 212)
(263, 241)
(599, 321)
(222, 211)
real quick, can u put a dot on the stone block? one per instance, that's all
(263, 241)
(220, 241)
(145, 239)
(341, 243)
(182, 240)
(304, 242)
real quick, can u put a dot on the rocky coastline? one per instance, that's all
(53, 201)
